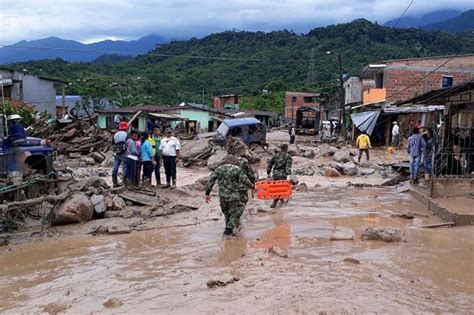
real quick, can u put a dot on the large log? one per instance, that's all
(5, 208)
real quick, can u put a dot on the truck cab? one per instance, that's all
(19, 152)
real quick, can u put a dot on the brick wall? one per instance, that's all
(400, 74)
(299, 102)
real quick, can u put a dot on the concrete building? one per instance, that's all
(401, 79)
(230, 101)
(35, 91)
(294, 100)
(353, 91)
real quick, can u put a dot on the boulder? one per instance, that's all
(293, 150)
(326, 150)
(330, 172)
(383, 234)
(75, 155)
(343, 156)
(87, 160)
(349, 169)
(77, 209)
(338, 166)
(216, 160)
(97, 156)
(309, 154)
(193, 149)
(366, 171)
(99, 204)
(237, 147)
(118, 203)
(342, 236)
(307, 171)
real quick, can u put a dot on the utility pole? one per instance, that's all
(311, 78)
(343, 105)
(202, 99)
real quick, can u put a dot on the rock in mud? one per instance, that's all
(118, 229)
(350, 169)
(351, 260)
(97, 156)
(219, 283)
(342, 236)
(118, 203)
(113, 303)
(307, 171)
(343, 156)
(338, 166)
(53, 308)
(326, 150)
(407, 216)
(216, 160)
(330, 172)
(293, 150)
(75, 210)
(277, 251)
(75, 155)
(309, 154)
(87, 160)
(100, 206)
(366, 171)
(301, 187)
(4, 240)
(383, 234)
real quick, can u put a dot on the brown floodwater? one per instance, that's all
(166, 270)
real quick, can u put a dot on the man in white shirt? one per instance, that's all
(395, 134)
(292, 133)
(170, 149)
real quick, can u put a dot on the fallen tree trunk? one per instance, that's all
(5, 208)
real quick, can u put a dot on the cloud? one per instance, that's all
(88, 20)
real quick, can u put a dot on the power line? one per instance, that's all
(403, 14)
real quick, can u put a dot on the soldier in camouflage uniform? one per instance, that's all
(244, 164)
(280, 163)
(230, 194)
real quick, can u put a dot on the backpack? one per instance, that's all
(120, 147)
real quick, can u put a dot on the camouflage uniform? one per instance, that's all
(281, 165)
(245, 166)
(230, 195)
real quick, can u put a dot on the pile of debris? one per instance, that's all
(74, 138)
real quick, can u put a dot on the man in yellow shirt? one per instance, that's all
(363, 143)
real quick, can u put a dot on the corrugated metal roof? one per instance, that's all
(365, 121)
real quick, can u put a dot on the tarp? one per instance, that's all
(365, 121)
(167, 116)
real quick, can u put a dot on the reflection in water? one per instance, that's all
(231, 249)
(279, 236)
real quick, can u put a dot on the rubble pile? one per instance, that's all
(75, 138)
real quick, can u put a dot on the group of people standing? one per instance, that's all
(140, 155)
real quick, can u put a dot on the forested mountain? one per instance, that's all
(247, 62)
(425, 19)
(73, 51)
(461, 23)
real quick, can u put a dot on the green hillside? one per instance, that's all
(247, 62)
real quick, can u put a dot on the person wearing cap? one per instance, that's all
(395, 134)
(170, 149)
(119, 143)
(280, 164)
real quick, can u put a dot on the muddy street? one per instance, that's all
(283, 261)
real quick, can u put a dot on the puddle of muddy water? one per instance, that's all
(167, 270)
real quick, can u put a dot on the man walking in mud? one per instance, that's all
(280, 163)
(230, 195)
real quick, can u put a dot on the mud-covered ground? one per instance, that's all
(283, 260)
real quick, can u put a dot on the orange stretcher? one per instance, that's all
(273, 189)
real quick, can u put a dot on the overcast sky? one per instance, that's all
(93, 20)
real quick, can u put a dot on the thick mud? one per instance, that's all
(166, 270)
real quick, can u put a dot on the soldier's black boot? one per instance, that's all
(274, 203)
(227, 231)
(115, 181)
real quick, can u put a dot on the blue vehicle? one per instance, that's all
(19, 152)
(250, 130)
